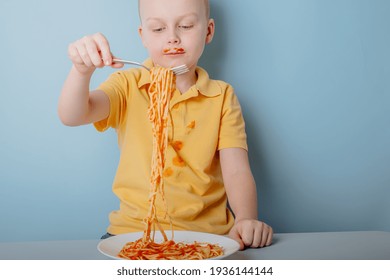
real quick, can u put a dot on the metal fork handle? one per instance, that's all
(130, 62)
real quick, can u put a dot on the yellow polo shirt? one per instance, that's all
(203, 120)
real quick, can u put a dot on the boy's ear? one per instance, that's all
(210, 31)
(140, 34)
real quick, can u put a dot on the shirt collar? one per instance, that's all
(204, 85)
(145, 74)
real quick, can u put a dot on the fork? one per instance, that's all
(177, 70)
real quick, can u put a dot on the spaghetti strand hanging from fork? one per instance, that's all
(160, 93)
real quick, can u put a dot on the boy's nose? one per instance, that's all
(173, 38)
(173, 41)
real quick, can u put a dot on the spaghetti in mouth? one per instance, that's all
(163, 84)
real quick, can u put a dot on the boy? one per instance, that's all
(206, 160)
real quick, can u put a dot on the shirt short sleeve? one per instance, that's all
(232, 130)
(116, 87)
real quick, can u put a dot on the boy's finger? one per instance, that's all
(265, 235)
(247, 237)
(269, 239)
(93, 53)
(233, 234)
(83, 54)
(74, 54)
(257, 238)
(104, 48)
(116, 64)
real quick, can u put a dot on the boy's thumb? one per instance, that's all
(233, 234)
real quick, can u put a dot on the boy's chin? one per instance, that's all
(170, 62)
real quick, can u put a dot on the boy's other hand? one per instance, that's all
(251, 233)
(91, 52)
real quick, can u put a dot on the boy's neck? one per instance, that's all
(186, 81)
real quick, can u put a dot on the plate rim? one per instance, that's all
(235, 246)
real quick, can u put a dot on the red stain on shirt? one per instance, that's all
(178, 161)
(191, 125)
(168, 172)
(177, 145)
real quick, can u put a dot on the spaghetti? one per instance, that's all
(162, 86)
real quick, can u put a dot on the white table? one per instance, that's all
(358, 245)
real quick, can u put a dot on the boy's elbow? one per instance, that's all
(69, 123)
(68, 120)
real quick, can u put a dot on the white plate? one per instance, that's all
(112, 246)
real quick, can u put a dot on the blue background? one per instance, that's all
(313, 78)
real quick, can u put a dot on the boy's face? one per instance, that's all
(175, 31)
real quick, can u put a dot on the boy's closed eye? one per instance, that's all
(158, 29)
(182, 26)
(186, 27)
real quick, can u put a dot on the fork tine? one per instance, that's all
(178, 70)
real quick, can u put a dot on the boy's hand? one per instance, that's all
(251, 233)
(91, 52)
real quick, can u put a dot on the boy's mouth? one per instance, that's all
(173, 51)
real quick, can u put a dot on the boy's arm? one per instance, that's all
(241, 191)
(77, 105)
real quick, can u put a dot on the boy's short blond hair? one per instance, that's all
(206, 3)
